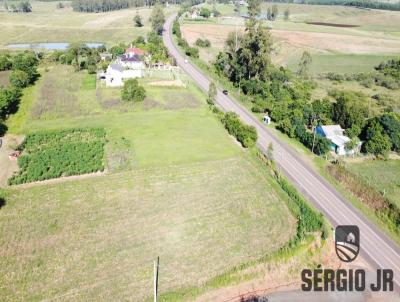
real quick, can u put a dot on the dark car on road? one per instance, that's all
(225, 92)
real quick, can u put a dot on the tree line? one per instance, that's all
(95, 6)
(355, 3)
(24, 6)
(286, 95)
(23, 67)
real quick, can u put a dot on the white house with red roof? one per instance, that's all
(128, 66)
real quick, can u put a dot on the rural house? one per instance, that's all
(335, 134)
(128, 66)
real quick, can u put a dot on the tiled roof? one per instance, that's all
(136, 51)
(126, 58)
(116, 66)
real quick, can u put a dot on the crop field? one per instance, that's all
(47, 23)
(359, 36)
(177, 186)
(54, 154)
(384, 176)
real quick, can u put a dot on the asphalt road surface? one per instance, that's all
(378, 249)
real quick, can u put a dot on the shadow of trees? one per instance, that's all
(2, 202)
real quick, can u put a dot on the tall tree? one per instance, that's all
(138, 20)
(274, 12)
(287, 14)
(157, 19)
(304, 65)
(256, 45)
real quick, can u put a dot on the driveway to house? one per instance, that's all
(7, 166)
(377, 248)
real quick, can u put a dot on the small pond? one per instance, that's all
(49, 45)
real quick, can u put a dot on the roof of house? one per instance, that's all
(136, 51)
(116, 66)
(339, 140)
(332, 130)
(133, 58)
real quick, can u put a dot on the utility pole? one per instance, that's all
(156, 262)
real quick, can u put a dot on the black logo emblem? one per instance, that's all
(347, 242)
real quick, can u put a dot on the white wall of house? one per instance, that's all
(115, 78)
(133, 65)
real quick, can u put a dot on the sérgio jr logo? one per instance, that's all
(347, 242)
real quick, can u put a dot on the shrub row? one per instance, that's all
(245, 134)
(308, 219)
(189, 51)
(383, 208)
(55, 154)
(203, 43)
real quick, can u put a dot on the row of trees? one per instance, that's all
(245, 134)
(23, 67)
(95, 6)
(373, 4)
(24, 6)
(246, 62)
(189, 51)
(80, 56)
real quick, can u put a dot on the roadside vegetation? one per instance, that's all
(365, 104)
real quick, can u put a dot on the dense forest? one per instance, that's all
(95, 6)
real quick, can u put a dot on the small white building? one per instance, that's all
(335, 134)
(266, 119)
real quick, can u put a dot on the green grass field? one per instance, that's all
(47, 23)
(96, 238)
(384, 176)
(342, 63)
(375, 37)
(177, 186)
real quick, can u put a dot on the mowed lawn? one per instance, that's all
(47, 23)
(95, 239)
(384, 176)
(176, 186)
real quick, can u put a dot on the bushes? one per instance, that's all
(203, 43)
(19, 78)
(308, 219)
(192, 52)
(189, 51)
(132, 91)
(176, 29)
(55, 154)
(245, 134)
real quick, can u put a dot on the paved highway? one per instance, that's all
(378, 249)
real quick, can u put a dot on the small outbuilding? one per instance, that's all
(266, 119)
(335, 134)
